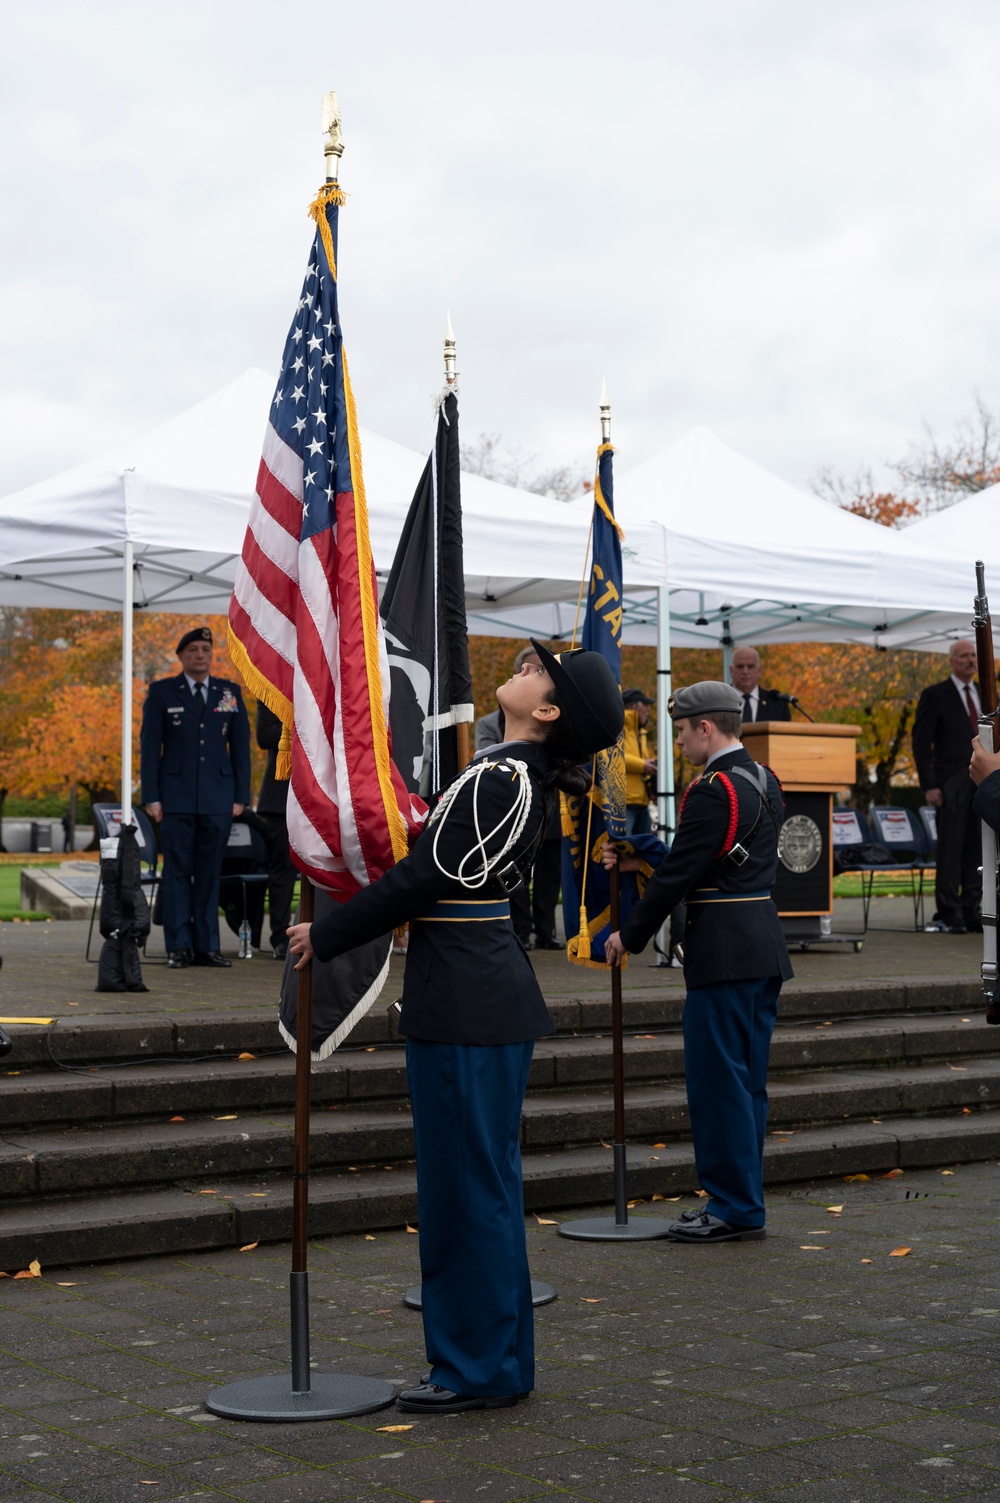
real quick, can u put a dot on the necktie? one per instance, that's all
(747, 708)
(972, 710)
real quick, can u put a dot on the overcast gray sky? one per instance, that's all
(774, 217)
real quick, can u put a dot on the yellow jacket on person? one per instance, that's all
(636, 754)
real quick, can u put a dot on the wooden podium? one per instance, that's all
(812, 762)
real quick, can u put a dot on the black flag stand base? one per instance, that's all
(602, 1228)
(541, 1294)
(621, 1229)
(301, 1394)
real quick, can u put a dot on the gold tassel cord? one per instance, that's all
(583, 581)
(578, 948)
(599, 494)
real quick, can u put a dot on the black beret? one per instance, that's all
(196, 634)
(588, 696)
(636, 697)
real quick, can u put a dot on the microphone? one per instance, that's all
(791, 699)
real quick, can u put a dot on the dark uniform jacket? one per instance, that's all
(468, 980)
(771, 706)
(273, 795)
(942, 735)
(723, 940)
(195, 759)
(986, 804)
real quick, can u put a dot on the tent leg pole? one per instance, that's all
(664, 748)
(128, 603)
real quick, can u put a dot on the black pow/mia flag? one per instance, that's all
(423, 609)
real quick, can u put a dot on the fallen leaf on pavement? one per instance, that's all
(393, 1429)
(958, 1067)
(633, 1203)
(812, 1247)
(658, 1196)
(892, 1174)
(585, 1301)
(701, 1194)
(250, 1246)
(657, 1145)
(965, 1020)
(866, 1260)
(834, 1210)
(644, 1035)
(412, 1229)
(208, 1192)
(966, 1111)
(244, 1055)
(544, 1221)
(670, 1197)
(947, 1171)
(33, 1271)
(257, 1194)
(899, 1252)
(229, 1117)
(850, 1179)
(369, 1237)
(177, 1119)
(66, 1286)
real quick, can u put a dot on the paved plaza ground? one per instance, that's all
(815, 1366)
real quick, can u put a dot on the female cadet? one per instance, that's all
(471, 1011)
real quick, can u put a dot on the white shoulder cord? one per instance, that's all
(517, 816)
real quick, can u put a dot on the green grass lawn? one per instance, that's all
(889, 885)
(10, 892)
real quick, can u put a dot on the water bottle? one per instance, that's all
(246, 948)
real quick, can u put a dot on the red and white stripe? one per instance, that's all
(297, 610)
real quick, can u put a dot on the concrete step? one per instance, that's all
(241, 1212)
(366, 1076)
(108, 1038)
(198, 1150)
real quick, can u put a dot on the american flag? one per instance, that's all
(304, 624)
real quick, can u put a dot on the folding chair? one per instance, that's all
(245, 863)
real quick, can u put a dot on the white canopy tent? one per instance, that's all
(159, 524)
(957, 536)
(751, 558)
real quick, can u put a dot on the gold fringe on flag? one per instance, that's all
(330, 193)
(261, 688)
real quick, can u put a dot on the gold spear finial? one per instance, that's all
(333, 144)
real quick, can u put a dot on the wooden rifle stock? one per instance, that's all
(986, 670)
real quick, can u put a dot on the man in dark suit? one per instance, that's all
(758, 703)
(271, 802)
(195, 765)
(722, 864)
(945, 726)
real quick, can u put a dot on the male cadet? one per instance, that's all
(722, 863)
(195, 764)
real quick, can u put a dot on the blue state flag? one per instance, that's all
(590, 821)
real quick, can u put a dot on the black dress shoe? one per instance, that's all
(546, 943)
(178, 959)
(210, 957)
(425, 1382)
(704, 1227)
(431, 1398)
(280, 950)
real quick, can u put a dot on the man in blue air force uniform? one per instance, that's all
(472, 1009)
(195, 765)
(722, 864)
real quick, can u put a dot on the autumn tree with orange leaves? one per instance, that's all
(61, 705)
